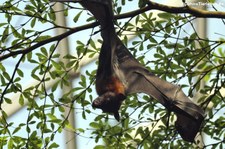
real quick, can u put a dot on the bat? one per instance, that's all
(125, 75)
(120, 74)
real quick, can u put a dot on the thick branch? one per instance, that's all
(171, 9)
(55, 38)
(187, 9)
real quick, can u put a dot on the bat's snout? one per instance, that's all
(96, 103)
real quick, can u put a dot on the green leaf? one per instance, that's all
(2, 24)
(29, 7)
(3, 82)
(6, 75)
(53, 145)
(10, 143)
(153, 40)
(90, 19)
(5, 34)
(19, 72)
(35, 77)
(41, 38)
(33, 21)
(212, 1)
(123, 2)
(94, 125)
(70, 127)
(54, 87)
(83, 115)
(44, 51)
(2, 68)
(92, 43)
(29, 56)
(83, 81)
(15, 32)
(166, 16)
(7, 100)
(76, 18)
(71, 64)
(99, 147)
(52, 15)
(56, 65)
(21, 100)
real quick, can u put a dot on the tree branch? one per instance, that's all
(151, 6)
(187, 9)
(171, 9)
(52, 39)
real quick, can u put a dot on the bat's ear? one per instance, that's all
(117, 116)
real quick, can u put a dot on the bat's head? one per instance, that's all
(109, 102)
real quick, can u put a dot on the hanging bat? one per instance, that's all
(120, 74)
(125, 75)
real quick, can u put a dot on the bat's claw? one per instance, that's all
(117, 116)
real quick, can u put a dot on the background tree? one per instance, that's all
(168, 44)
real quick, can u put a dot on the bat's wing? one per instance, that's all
(136, 78)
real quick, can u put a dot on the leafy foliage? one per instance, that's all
(167, 44)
